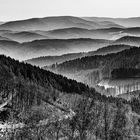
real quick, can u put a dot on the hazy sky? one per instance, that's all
(23, 9)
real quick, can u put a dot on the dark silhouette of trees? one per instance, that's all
(125, 73)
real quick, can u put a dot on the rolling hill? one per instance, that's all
(105, 33)
(129, 40)
(48, 23)
(53, 47)
(24, 36)
(91, 69)
(126, 22)
(10, 48)
(62, 46)
(133, 31)
(49, 60)
(51, 23)
(109, 49)
(71, 33)
(47, 47)
(111, 33)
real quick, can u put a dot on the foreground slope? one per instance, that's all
(36, 102)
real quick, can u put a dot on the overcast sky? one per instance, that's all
(23, 9)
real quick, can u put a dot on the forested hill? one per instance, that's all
(30, 90)
(49, 60)
(14, 69)
(35, 81)
(127, 58)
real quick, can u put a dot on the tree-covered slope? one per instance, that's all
(90, 70)
(39, 103)
(128, 58)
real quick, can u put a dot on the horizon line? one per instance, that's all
(69, 16)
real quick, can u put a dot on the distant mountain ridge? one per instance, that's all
(46, 47)
(131, 40)
(53, 36)
(126, 22)
(112, 33)
(24, 36)
(53, 47)
(103, 33)
(51, 23)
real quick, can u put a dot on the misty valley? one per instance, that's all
(70, 78)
